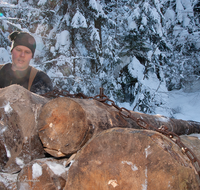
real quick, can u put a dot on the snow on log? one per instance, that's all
(131, 159)
(8, 181)
(47, 173)
(19, 110)
(66, 124)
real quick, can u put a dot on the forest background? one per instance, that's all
(145, 54)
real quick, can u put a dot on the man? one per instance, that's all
(19, 71)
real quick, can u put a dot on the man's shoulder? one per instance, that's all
(42, 74)
(7, 65)
(1, 66)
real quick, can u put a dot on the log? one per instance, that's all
(178, 126)
(66, 124)
(46, 173)
(131, 159)
(19, 110)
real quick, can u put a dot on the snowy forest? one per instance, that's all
(139, 51)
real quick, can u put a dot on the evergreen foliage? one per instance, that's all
(84, 45)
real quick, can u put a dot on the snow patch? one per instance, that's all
(41, 2)
(7, 108)
(162, 118)
(136, 69)
(36, 170)
(3, 130)
(95, 5)
(19, 162)
(7, 151)
(133, 167)
(145, 185)
(147, 152)
(58, 169)
(4, 56)
(79, 21)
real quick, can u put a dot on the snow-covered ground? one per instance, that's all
(185, 105)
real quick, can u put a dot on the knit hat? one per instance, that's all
(23, 39)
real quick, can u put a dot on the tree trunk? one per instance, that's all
(131, 159)
(66, 124)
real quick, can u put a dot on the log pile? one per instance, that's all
(71, 143)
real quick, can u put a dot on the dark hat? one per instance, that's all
(23, 39)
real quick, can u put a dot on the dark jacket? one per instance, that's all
(41, 83)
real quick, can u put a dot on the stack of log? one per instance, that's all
(70, 143)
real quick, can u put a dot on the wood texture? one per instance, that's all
(131, 159)
(66, 124)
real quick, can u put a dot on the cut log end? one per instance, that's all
(62, 125)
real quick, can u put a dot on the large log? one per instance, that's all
(66, 124)
(19, 110)
(131, 159)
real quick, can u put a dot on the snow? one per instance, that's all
(41, 2)
(36, 170)
(58, 169)
(133, 167)
(8, 179)
(3, 130)
(136, 69)
(7, 152)
(185, 105)
(178, 104)
(19, 162)
(94, 34)
(147, 152)
(93, 4)
(145, 185)
(79, 21)
(8, 108)
(4, 56)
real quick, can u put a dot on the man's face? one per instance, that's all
(21, 56)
